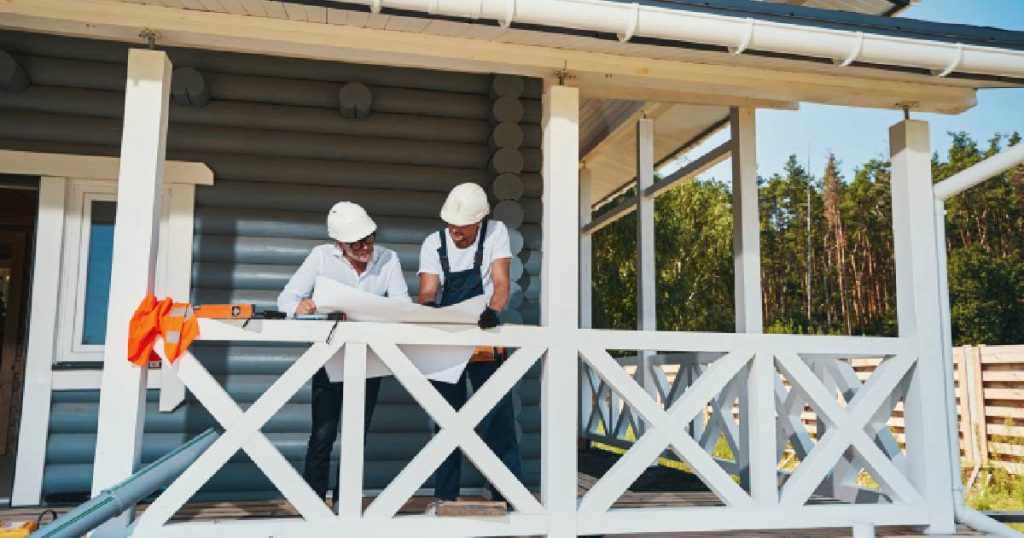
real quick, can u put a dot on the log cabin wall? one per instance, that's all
(286, 139)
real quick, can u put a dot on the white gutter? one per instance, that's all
(955, 184)
(737, 34)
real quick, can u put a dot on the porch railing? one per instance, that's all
(717, 370)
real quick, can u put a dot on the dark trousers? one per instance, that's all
(326, 418)
(497, 429)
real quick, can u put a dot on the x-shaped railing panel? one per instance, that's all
(457, 430)
(242, 431)
(665, 430)
(846, 428)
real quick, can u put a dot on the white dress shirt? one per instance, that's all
(383, 276)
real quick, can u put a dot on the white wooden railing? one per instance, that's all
(753, 369)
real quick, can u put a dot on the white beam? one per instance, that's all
(695, 167)
(586, 295)
(560, 307)
(136, 233)
(34, 163)
(918, 309)
(646, 315)
(691, 170)
(746, 238)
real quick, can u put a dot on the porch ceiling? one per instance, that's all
(608, 149)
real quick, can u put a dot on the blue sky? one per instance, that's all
(857, 134)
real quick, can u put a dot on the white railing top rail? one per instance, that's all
(393, 333)
(671, 341)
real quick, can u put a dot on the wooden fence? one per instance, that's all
(995, 375)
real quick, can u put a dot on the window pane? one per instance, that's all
(97, 280)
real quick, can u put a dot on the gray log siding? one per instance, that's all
(272, 130)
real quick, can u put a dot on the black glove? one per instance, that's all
(488, 319)
(432, 304)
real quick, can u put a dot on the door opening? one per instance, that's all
(19, 200)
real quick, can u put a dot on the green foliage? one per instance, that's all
(827, 244)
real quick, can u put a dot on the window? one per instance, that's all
(85, 268)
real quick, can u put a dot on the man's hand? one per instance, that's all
(306, 306)
(488, 319)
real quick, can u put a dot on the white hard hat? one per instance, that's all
(466, 204)
(348, 222)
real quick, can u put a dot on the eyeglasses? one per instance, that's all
(361, 244)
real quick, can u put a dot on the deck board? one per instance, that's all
(210, 511)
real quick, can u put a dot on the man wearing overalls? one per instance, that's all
(470, 256)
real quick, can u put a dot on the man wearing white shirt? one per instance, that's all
(469, 257)
(355, 261)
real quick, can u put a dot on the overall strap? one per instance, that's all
(478, 259)
(442, 252)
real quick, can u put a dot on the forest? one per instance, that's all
(826, 247)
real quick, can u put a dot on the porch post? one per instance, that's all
(756, 458)
(746, 227)
(586, 300)
(560, 307)
(918, 308)
(136, 227)
(646, 314)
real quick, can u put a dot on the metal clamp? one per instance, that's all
(858, 46)
(747, 38)
(631, 23)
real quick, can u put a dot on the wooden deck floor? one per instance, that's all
(211, 511)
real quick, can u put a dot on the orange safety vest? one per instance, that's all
(175, 322)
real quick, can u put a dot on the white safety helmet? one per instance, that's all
(466, 204)
(348, 222)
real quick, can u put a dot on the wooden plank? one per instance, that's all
(1008, 449)
(275, 9)
(1004, 430)
(316, 14)
(254, 8)
(295, 12)
(1010, 467)
(1003, 375)
(1004, 394)
(997, 412)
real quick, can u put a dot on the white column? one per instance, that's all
(918, 308)
(136, 228)
(746, 238)
(586, 296)
(746, 249)
(35, 414)
(560, 307)
(646, 314)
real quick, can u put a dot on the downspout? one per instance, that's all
(628, 20)
(963, 513)
(943, 190)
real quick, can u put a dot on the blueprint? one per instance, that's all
(439, 363)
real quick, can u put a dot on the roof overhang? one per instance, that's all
(600, 67)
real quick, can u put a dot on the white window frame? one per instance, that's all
(73, 278)
(57, 173)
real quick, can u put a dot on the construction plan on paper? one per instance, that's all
(439, 363)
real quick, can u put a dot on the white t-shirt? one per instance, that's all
(496, 247)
